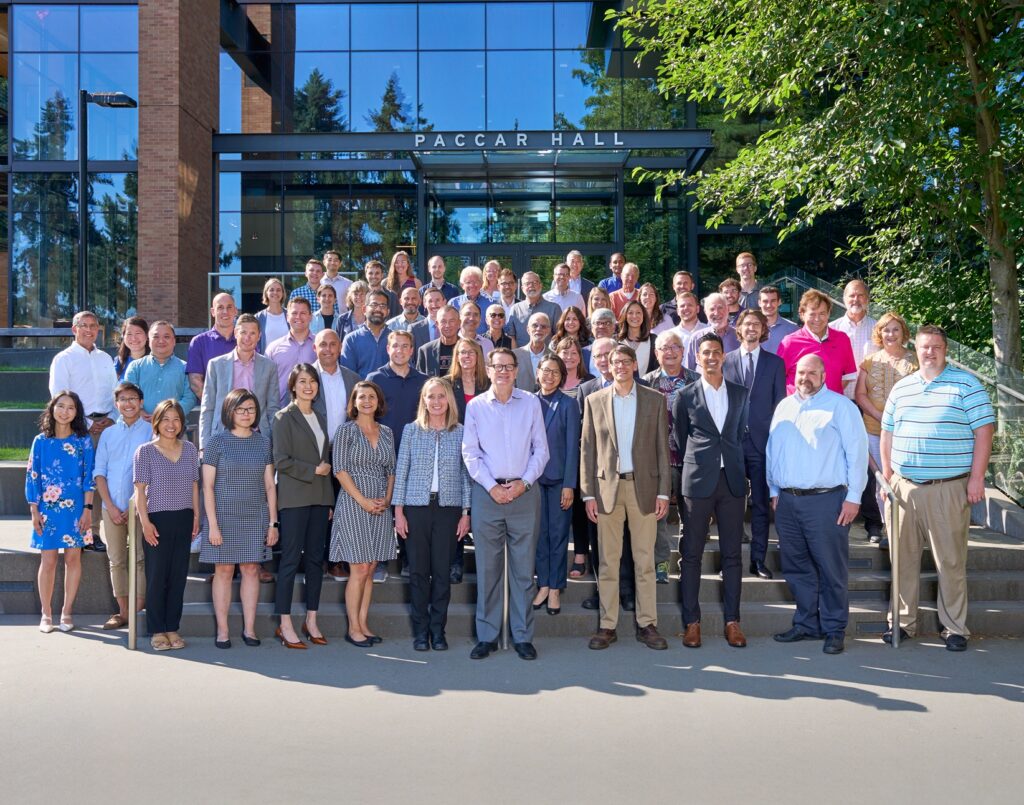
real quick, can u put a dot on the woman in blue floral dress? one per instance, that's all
(59, 491)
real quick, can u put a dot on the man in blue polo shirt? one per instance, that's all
(936, 441)
(365, 350)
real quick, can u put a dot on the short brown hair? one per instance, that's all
(813, 298)
(382, 407)
(401, 334)
(234, 398)
(933, 329)
(293, 377)
(163, 408)
(503, 351)
(729, 282)
(770, 289)
(247, 318)
(757, 314)
(746, 254)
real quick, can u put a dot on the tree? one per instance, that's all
(318, 105)
(395, 113)
(910, 110)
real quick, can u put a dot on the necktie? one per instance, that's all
(748, 371)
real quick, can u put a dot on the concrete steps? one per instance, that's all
(25, 386)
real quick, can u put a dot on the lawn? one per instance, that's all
(13, 454)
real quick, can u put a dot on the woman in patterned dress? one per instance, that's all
(363, 532)
(59, 491)
(241, 510)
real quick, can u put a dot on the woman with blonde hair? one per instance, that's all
(353, 318)
(431, 499)
(468, 375)
(272, 319)
(598, 299)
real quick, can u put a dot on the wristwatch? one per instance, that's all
(88, 506)
(276, 524)
(527, 487)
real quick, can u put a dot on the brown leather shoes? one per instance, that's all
(734, 635)
(603, 638)
(691, 639)
(649, 636)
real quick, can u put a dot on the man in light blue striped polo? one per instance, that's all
(936, 441)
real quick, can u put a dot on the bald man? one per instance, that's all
(218, 340)
(817, 460)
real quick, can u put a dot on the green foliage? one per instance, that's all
(908, 110)
(317, 105)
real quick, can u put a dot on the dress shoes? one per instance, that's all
(734, 635)
(358, 643)
(526, 651)
(439, 643)
(542, 602)
(649, 636)
(421, 644)
(795, 635)
(758, 568)
(602, 639)
(956, 642)
(222, 643)
(316, 640)
(887, 636)
(455, 574)
(628, 602)
(691, 637)
(482, 650)
(834, 643)
(591, 603)
(285, 641)
(253, 641)
(266, 577)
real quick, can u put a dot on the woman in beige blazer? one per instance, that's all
(302, 458)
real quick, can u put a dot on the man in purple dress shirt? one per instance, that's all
(505, 448)
(294, 348)
(218, 340)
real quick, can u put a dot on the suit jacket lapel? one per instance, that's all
(610, 410)
(706, 408)
(304, 425)
(549, 411)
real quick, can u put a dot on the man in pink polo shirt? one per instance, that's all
(816, 338)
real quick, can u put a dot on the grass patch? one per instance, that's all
(35, 369)
(33, 404)
(13, 454)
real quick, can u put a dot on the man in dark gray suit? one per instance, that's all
(536, 348)
(708, 421)
(534, 302)
(434, 359)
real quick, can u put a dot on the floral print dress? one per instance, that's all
(59, 474)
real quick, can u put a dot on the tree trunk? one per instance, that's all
(1002, 268)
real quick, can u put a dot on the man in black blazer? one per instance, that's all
(434, 358)
(709, 418)
(764, 375)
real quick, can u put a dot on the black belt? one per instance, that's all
(503, 481)
(625, 476)
(96, 415)
(435, 497)
(816, 491)
(938, 480)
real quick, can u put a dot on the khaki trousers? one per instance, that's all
(117, 553)
(643, 531)
(936, 514)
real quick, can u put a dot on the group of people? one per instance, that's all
(356, 421)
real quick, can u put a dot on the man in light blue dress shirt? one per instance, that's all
(817, 459)
(161, 373)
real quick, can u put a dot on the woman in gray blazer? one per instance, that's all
(302, 458)
(431, 500)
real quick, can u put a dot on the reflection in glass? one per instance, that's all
(519, 90)
(380, 226)
(229, 192)
(584, 222)
(572, 23)
(321, 87)
(519, 25)
(522, 222)
(45, 111)
(585, 96)
(249, 241)
(320, 27)
(457, 222)
(387, 26)
(452, 90)
(451, 25)
(52, 28)
(230, 96)
(109, 28)
(113, 238)
(383, 91)
(113, 133)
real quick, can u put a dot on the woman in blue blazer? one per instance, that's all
(557, 484)
(431, 500)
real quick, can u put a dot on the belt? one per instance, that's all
(625, 476)
(816, 491)
(97, 415)
(435, 497)
(938, 480)
(503, 481)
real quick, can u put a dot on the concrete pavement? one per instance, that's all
(85, 718)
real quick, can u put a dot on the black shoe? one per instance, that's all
(795, 635)
(628, 602)
(250, 641)
(956, 642)
(834, 643)
(439, 643)
(591, 603)
(887, 636)
(757, 568)
(455, 574)
(97, 545)
(542, 603)
(526, 651)
(421, 644)
(358, 643)
(374, 639)
(222, 643)
(883, 544)
(467, 540)
(482, 650)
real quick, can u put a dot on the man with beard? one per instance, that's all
(365, 349)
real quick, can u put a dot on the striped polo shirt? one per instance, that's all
(933, 423)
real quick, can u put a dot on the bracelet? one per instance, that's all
(465, 512)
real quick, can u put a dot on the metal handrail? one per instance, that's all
(894, 555)
(133, 581)
(265, 275)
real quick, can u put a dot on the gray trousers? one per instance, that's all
(516, 524)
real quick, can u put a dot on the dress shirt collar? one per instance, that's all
(630, 395)
(812, 335)
(709, 389)
(490, 396)
(756, 351)
(814, 396)
(238, 358)
(75, 346)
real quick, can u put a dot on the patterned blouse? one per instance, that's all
(883, 372)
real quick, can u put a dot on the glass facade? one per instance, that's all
(53, 52)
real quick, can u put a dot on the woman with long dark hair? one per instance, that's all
(134, 344)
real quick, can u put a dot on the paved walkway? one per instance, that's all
(85, 718)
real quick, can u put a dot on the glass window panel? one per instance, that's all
(384, 91)
(643, 107)
(572, 24)
(46, 111)
(230, 96)
(320, 27)
(451, 25)
(578, 222)
(458, 222)
(452, 90)
(53, 28)
(320, 100)
(4, 249)
(260, 192)
(519, 90)
(521, 222)
(113, 237)
(384, 25)
(519, 25)
(380, 226)
(4, 43)
(585, 96)
(113, 133)
(229, 192)
(249, 242)
(543, 265)
(109, 28)
(4, 97)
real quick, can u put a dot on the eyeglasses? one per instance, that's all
(249, 410)
(377, 306)
(127, 399)
(503, 367)
(548, 371)
(621, 362)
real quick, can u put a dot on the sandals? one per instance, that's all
(115, 621)
(174, 640)
(159, 642)
(46, 624)
(578, 569)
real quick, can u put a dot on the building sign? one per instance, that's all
(529, 140)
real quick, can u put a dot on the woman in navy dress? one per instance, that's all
(59, 490)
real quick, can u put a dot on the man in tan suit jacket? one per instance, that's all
(626, 475)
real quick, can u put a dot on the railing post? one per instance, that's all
(133, 581)
(894, 555)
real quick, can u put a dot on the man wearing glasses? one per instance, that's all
(505, 449)
(364, 350)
